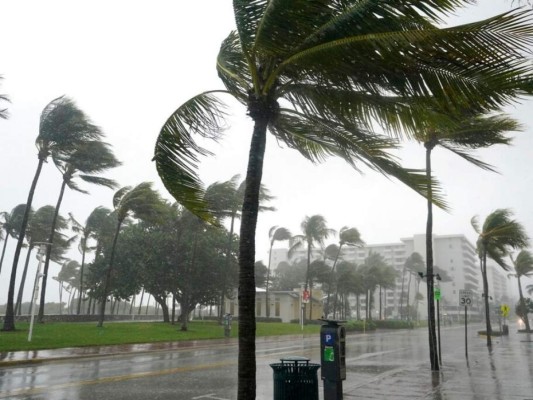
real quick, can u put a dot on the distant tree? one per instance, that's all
(413, 264)
(141, 202)
(275, 234)
(85, 162)
(349, 237)
(10, 226)
(314, 230)
(289, 276)
(496, 236)
(62, 127)
(67, 275)
(523, 266)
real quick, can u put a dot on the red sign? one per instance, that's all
(305, 296)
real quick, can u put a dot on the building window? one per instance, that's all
(277, 307)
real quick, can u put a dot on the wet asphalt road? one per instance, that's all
(380, 365)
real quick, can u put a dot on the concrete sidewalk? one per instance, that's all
(505, 373)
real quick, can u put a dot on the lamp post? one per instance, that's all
(38, 275)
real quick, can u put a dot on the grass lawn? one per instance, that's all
(72, 334)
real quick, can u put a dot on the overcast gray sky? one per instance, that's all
(129, 64)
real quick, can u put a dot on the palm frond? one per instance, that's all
(100, 181)
(233, 68)
(177, 154)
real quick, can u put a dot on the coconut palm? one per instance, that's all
(275, 234)
(90, 230)
(497, 235)
(62, 127)
(10, 226)
(85, 162)
(314, 230)
(413, 265)
(349, 237)
(69, 270)
(468, 132)
(37, 232)
(141, 202)
(3, 111)
(225, 200)
(320, 75)
(523, 266)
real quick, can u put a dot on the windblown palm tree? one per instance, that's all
(10, 226)
(319, 76)
(468, 132)
(498, 234)
(141, 202)
(523, 266)
(349, 237)
(85, 162)
(314, 230)
(279, 234)
(62, 127)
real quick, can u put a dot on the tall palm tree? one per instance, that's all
(467, 132)
(90, 230)
(275, 234)
(523, 266)
(85, 162)
(10, 226)
(62, 127)
(141, 202)
(497, 235)
(3, 111)
(315, 230)
(320, 75)
(349, 237)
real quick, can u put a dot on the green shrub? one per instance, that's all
(360, 326)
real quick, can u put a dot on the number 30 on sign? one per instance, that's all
(465, 297)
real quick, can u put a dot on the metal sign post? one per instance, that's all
(437, 295)
(465, 299)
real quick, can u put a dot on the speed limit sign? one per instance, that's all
(465, 297)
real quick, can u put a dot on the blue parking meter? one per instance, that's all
(333, 358)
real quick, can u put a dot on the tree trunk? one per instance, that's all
(3, 251)
(523, 304)
(486, 295)
(107, 282)
(402, 293)
(228, 259)
(250, 210)
(267, 302)
(18, 306)
(9, 318)
(80, 290)
(140, 303)
(164, 308)
(433, 352)
(331, 280)
(49, 253)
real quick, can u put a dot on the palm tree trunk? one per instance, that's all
(107, 282)
(402, 293)
(306, 286)
(486, 295)
(267, 302)
(18, 305)
(332, 278)
(9, 318)
(81, 279)
(433, 351)
(60, 298)
(3, 251)
(250, 209)
(409, 296)
(228, 258)
(523, 305)
(49, 253)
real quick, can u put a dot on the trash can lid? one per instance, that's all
(295, 359)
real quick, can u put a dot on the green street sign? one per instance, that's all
(437, 294)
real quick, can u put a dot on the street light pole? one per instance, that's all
(38, 275)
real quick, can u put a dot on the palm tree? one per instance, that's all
(320, 76)
(225, 200)
(3, 111)
(87, 161)
(141, 202)
(276, 233)
(314, 230)
(470, 131)
(90, 230)
(498, 234)
(62, 127)
(349, 237)
(11, 226)
(69, 270)
(523, 266)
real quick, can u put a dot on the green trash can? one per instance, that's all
(295, 378)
